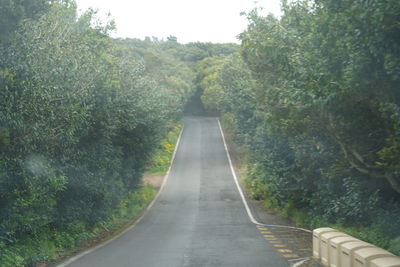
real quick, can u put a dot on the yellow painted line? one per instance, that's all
(285, 250)
(266, 232)
(279, 246)
(275, 241)
(269, 236)
(270, 239)
(290, 255)
(305, 249)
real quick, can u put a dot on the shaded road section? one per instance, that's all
(199, 218)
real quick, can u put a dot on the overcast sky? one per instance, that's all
(217, 21)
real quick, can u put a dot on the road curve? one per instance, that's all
(198, 220)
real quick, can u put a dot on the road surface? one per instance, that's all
(199, 218)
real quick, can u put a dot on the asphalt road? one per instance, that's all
(199, 218)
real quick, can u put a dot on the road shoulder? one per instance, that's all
(294, 244)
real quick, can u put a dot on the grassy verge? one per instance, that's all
(161, 160)
(300, 217)
(51, 246)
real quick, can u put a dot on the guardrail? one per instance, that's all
(336, 249)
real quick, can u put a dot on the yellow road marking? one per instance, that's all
(279, 246)
(290, 255)
(269, 236)
(266, 232)
(270, 239)
(285, 250)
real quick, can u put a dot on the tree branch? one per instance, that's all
(358, 162)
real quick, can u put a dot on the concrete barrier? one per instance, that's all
(348, 249)
(363, 257)
(325, 243)
(386, 262)
(317, 240)
(336, 249)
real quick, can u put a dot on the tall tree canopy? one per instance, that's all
(315, 98)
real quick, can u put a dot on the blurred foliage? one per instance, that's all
(12, 12)
(314, 97)
(81, 116)
(52, 243)
(162, 156)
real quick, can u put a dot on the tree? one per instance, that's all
(12, 12)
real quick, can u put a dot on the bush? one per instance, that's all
(314, 100)
(80, 117)
(161, 159)
(10, 257)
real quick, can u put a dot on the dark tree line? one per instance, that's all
(315, 98)
(81, 115)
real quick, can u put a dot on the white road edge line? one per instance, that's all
(249, 213)
(71, 260)
(298, 264)
(300, 259)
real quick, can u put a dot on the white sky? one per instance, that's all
(216, 21)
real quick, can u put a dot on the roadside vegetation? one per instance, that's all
(82, 117)
(314, 99)
(161, 159)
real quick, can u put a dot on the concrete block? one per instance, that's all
(364, 256)
(347, 252)
(317, 240)
(335, 249)
(325, 239)
(386, 262)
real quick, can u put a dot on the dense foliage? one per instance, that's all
(80, 116)
(315, 98)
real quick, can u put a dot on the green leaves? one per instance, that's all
(316, 102)
(80, 116)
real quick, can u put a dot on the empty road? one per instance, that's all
(198, 220)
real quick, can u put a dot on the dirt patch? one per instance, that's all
(154, 181)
